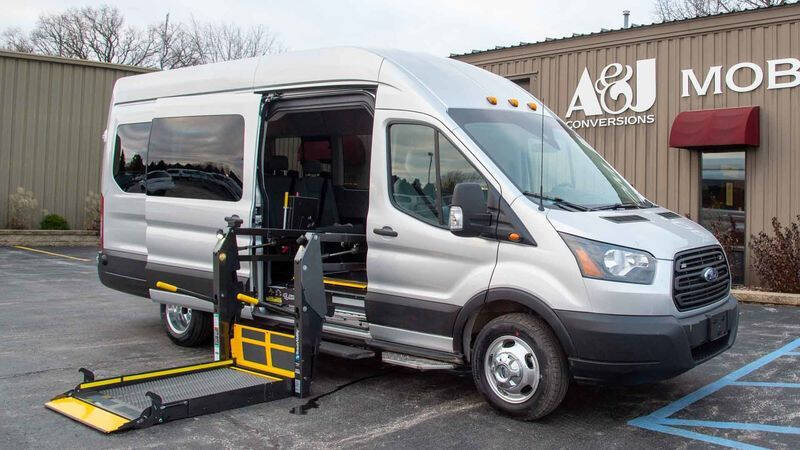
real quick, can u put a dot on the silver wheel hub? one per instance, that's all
(512, 369)
(178, 318)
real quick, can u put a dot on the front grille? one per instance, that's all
(689, 288)
(708, 349)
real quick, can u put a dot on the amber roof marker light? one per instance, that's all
(492, 100)
(513, 102)
(532, 106)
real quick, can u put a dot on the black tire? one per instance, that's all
(198, 330)
(552, 364)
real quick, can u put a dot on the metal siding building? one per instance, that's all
(673, 177)
(52, 115)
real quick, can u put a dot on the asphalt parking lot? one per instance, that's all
(57, 317)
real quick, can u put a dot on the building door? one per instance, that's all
(722, 204)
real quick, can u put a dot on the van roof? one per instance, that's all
(438, 82)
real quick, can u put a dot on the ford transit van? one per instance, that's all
(496, 237)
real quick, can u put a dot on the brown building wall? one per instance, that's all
(670, 176)
(52, 115)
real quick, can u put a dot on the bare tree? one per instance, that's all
(685, 9)
(100, 34)
(16, 40)
(214, 42)
(173, 46)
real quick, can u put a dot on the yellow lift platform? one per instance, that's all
(252, 364)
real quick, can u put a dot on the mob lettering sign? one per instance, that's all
(612, 100)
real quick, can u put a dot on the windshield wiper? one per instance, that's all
(617, 206)
(560, 202)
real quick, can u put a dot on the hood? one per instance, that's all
(652, 232)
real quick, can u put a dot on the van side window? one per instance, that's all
(196, 157)
(130, 156)
(425, 167)
(454, 169)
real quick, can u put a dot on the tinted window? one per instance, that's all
(454, 169)
(422, 184)
(130, 156)
(413, 173)
(196, 157)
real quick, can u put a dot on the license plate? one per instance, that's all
(717, 326)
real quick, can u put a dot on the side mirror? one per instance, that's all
(468, 211)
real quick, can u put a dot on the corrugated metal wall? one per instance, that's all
(52, 115)
(670, 176)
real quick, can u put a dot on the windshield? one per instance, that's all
(573, 172)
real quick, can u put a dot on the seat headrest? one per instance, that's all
(311, 167)
(278, 163)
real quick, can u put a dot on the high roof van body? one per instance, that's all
(496, 236)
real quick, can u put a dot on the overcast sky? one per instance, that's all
(434, 26)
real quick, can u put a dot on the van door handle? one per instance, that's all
(385, 231)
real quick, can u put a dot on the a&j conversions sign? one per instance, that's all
(611, 100)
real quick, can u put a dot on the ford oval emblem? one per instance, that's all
(710, 274)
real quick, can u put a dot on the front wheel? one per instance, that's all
(185, 326)
(519, 367)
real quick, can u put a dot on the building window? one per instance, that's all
(722, 207)
(196, 157)
(523, 82)
(425, 168)
(130, 156)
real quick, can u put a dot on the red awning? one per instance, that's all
(710, 128)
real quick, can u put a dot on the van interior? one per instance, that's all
(315, 175)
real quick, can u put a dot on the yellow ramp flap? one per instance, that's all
(87, 414)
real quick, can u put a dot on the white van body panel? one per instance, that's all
(547, 271)
(124, 211)
(181, 232)
(404, 265)
(340, 65)
(658, 235)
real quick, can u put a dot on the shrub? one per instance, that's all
(54, 222)
(776, 258)
(22, 207)
(91, 209)
(727, 239)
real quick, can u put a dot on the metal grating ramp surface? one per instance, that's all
(183, 387)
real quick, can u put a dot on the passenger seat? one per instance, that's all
(278, 182)
(314, 185)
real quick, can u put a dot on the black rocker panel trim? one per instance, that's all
(123, 271)
(198, 281)
(411, 314)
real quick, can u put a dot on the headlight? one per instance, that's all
(611, 262)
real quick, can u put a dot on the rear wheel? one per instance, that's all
(519, 367)
(185, 326)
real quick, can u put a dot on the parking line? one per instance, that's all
(732, 425)
(765, 384)
(643, 422)
(679, 404)
(660, 421)
(51, 253)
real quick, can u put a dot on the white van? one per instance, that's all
(496, 237)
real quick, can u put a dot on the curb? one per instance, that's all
(771, 298)
(48, 238)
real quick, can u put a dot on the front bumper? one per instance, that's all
(641, 349)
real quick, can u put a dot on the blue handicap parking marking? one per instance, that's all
(661, 420)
